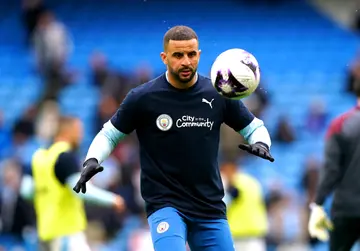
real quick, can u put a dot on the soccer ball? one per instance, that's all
(235, 74)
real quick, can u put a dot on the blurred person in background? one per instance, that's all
(310, 178)
(286, 216)
(246, 210)
(5, 138)
(105, 217)
(113, 86)
(309, 184)
(340, 175)
(112, 83)
(285, 133)
(24, 140)
(117, 179)
(143, 74)
(140, 239)
(317, 116)
(356, 21)
(274, 203)
(60, 213)
(257, 102)
(229, 142)
(25, 124)
(31, 12)
(47, 120)
(22, 132)
(106, 108)
(52, 45)
(99, 67)
(353, 76)
(15, 212)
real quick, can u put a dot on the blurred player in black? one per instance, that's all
(340, 175)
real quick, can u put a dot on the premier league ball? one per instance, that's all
(235, 74)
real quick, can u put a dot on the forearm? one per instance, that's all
(332, 172)
(104, 142)
(93, 194)
(256, 132)
(328, 180)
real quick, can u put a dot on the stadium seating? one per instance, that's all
(301, 53)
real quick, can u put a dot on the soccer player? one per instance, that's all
(246, 210)
(340, 175)
(60, 213)
(177, 118)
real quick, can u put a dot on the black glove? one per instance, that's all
(259, 149)
(91, 167)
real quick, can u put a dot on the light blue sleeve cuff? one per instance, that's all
(256, 132)
(104, 142)
(93, 194)
(113, 134)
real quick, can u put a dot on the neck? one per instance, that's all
(179, 85)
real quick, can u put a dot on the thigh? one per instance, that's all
(344, 235)
(210, 235)
(168, 229)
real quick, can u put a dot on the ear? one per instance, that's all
(163, 57)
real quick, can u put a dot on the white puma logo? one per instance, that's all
(208, 102)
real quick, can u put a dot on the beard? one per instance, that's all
(178, 77)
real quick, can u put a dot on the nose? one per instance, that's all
(186, 61)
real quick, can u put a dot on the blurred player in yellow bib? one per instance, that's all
(60, 213)
(246, 210)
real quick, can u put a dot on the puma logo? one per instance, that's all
(208, 102)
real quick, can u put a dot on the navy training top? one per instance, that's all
(178, 132)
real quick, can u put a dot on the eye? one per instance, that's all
(178, 55)
(192, 54)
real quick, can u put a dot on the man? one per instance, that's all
(179, 140)
(340, 175)
(246, 210)
(60, 212)
(15, 212)
(52, 46)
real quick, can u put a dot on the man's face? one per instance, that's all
(182, 59)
